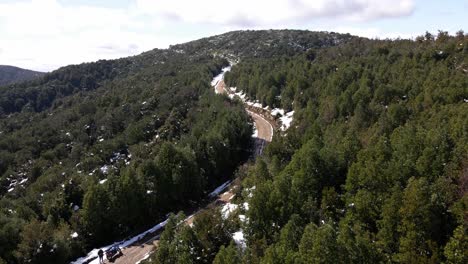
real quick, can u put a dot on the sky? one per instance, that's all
(44, 35)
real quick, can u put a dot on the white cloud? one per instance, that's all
(272, 13)
(46, 34)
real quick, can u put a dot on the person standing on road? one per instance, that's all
(101, 256)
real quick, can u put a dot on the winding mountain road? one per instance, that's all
(142, 248)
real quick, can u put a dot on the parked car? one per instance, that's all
(113, 252)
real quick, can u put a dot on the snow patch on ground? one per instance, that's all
(286, 120)
(239, 239)
(250, 191)
(242, 96)
(258, 105)
(102, 181)
(254, 104)
(276, 111)
(23, 180)
(255, 131)
(105, 169)
(228, 209)
(145, 257)
(15, 182)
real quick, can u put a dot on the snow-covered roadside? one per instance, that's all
(144, 258)
(285, 117)
(125, 243)
(219, 77)
(255, 131)
(122, 244)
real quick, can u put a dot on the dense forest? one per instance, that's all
(372, 170)
(112, 155)
(11, 74)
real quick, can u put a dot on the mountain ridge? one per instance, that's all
(231, 45)
(12, 74)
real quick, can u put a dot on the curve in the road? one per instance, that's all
(265, 129)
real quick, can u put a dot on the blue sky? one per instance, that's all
(47, 34)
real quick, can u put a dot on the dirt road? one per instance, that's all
(264, 128)
(220, 87)
(264, 132)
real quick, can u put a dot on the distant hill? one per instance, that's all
(11, 74)
(235, 45)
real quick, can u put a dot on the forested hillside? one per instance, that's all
(98, 152)
(372, 170)
(113, 161)
(11, 74)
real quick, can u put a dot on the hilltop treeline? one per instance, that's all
(11, 74)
